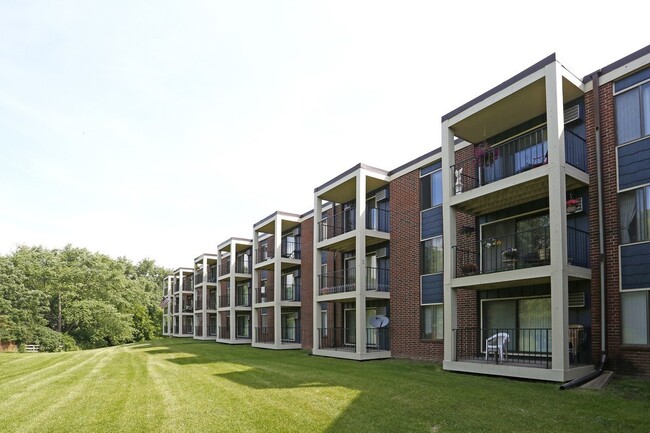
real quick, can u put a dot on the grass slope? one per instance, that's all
(190, 386)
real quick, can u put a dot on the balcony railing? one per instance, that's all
(224, 268)
(264, 253)
(176, 329)
(212, 276)
(243, 332)
(198, 304)
(212, 328)
(527, 346)
(265, 295)
(378, 279)
(290, 249)
(242, 267)
(337, 282)
(224, 332)
(344, 339)
(224, 301)
(264, 334)
(291, 292)
(212, 302)
(290, 334)
(490, 164)
(187, 308)
(337, 224)
(187, 329)
(243, 299)
(198, 277)
(524, 249)
(198, 331)
(378, 219)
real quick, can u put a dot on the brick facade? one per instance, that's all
(306, 282)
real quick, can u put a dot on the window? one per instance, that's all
(431, 322)
(634, 213)
(635, 310)
(432, 256)
(243, 326)
(633, 114)
(527, 320)
(323, 322)
(431, 190)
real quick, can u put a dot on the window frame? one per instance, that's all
(434, 331)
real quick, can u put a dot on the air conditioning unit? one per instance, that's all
(381, 195)
(576, 299)
(383, 252)
(572, 113)
(296, 231)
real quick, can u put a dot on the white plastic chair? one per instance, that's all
(497, 343)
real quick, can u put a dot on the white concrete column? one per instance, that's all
(360, 261)
(450, 305)
(255, 288)
(233, 290)
(204, 298)
(316, 319)
(557, 217)
(277, 281)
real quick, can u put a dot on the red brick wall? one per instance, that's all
(623, 359)
(405, 272)
(306, 282)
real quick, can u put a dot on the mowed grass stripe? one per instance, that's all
(26, 368)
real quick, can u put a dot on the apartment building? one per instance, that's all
(277, 280)
(234, 285)
(205, 297)
(167, 306)
(182, 310)
(519, 248)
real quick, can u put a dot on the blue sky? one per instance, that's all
(158, 130)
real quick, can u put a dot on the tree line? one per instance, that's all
(70, 298)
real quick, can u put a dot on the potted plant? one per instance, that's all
(572, 205)
(509, 254)
(485, 155)
(491, 242)
(469, 268)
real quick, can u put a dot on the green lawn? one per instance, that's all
(184, 385)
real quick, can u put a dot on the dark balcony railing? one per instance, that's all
(187, 328)
(187, 307)
(242, 266)
(530, 346)
(344, 339)
(378, 279)
(224, 301)
(264, 253)
(243, 332)
(175, 308)
(290, 334)
(212, 302)
(264, 334)
(290, 249)
(242, 299)
(265, 295)
(176, 329)
(337, 224)
(337, 282)
(198, 304)
(378, 219)
(176, 287)
(578, 247)
(224, 332)
(490, 164)
(224, 269)
(198, 277)
(291, 292)
(212, 276)
(198, 331)
(212, 327)
(523, 249)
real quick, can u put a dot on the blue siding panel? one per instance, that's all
(634, 164)
(432, 289)
(432, 222)
(635, 266)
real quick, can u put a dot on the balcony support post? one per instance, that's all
(233, 290)
(360, 254)
(277, 281)
(450, 314)
(316, 269)
(557, 217)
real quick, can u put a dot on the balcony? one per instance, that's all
(336, 225)
(224, 301)
(212, 302)
(198, 278)
(290, 292)
(529, 347)
(263, 254)
(377, 279)
(212, 329)
(242, 268)
(524, 249)
(344, 339)
(198, 331)
(526, 152)
(378, 219)
(264, 334)
(187, 329)
(224, 269)
(187, 308)
(290, 334)
(290, 249)
(198, 304)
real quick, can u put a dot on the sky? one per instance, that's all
(160, 129)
